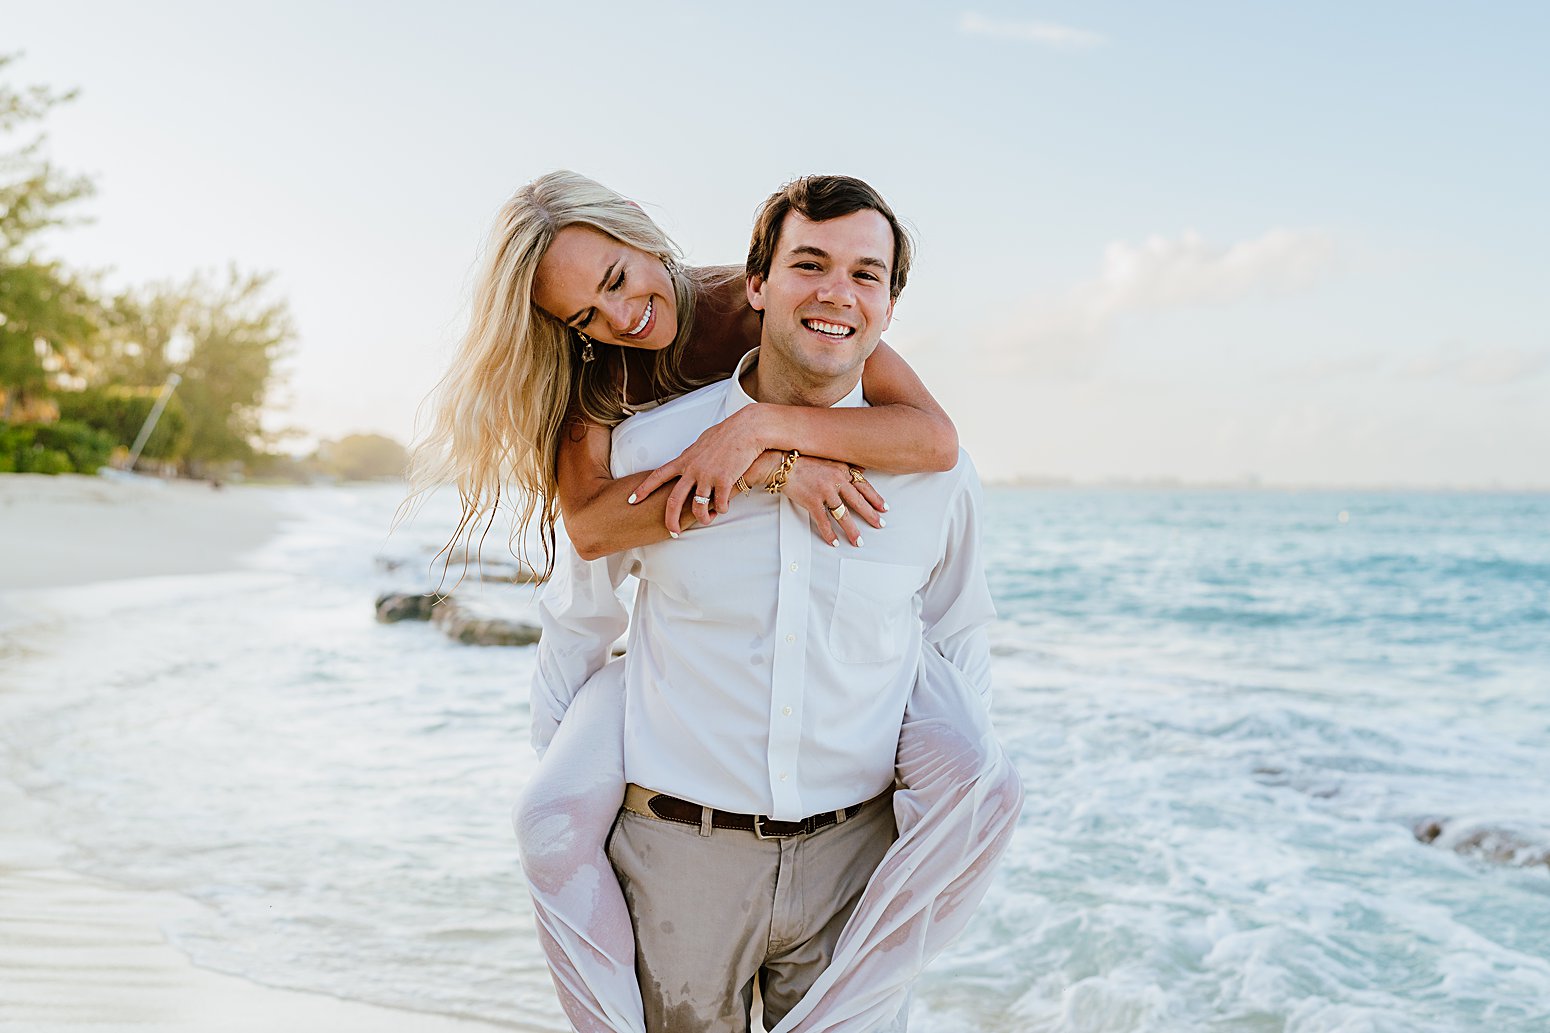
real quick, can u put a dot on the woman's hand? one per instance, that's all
(821, 486)
(709, 468)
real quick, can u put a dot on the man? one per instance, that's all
(767, 676)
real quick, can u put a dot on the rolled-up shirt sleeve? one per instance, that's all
(581, 616)
(956, 608)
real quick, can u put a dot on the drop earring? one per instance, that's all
(587, 355)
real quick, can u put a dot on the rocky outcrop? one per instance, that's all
(1318, 787)
(479, 625)
(479, 616)
(393, 607)
(1495, 843)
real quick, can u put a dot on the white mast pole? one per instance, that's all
(173, 380)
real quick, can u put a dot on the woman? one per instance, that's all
(582, 313)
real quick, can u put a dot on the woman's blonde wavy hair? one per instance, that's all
(518, 377)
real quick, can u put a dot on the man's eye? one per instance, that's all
(805, 265)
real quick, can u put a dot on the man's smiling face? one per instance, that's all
(826, 300)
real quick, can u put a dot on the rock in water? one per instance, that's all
(478, 626)
(1494, 843)
(393, 607)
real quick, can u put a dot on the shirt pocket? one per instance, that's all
(874, 608)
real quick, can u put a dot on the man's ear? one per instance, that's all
(888, 318)
(755, 285)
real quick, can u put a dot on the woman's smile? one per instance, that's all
(648, 319)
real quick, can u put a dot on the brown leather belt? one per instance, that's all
(649, 803)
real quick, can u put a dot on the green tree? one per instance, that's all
(362, 457)
(138, 343)
(224, 336)
(119, 411)
(48, 316)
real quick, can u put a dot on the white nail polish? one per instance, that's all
(672, 534)
(631, 500)
(885, 507)
(860, 541)
(881, 522)
(834, 544)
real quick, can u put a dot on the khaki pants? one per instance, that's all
(713, 914)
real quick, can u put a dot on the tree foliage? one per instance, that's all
(47, 314)
(63, 447)
(120, 411)
(33, 193)
(223, 334)
(362, 457)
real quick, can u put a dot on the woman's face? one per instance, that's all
(608, 290)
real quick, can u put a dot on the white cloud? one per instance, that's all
(1160, 272)
(1045, 33)
(1065, 334)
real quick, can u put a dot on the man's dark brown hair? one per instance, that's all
(821, 198)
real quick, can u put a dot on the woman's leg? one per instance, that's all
(955, 814)
(562, 819)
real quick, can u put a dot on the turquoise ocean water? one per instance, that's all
(1230, 711)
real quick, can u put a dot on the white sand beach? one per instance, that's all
(77, 952)
(74, 530)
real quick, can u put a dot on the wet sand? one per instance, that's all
(78, 952)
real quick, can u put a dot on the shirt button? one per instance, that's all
(786, 711)
(791, 638)
(793, 567)
(782, 776)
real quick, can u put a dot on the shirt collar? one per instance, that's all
(736, 398)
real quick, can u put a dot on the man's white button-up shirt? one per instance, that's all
(766, 671)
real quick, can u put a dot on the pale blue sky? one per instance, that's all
(1305, 242)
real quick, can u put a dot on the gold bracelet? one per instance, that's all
(778, 478)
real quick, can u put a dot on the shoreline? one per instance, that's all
(78, 951)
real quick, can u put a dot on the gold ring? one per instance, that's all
(838, 512)
(741, 486)
(856, 476)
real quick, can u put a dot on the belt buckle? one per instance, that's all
(758, 820)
